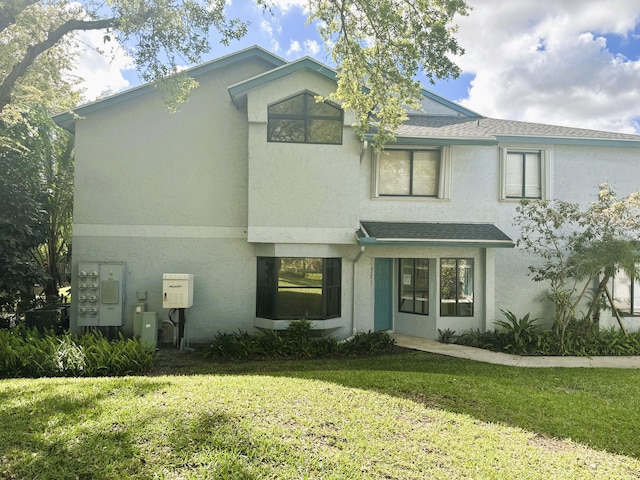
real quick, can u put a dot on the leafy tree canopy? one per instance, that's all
(23, 219)
(378, 46)
(577, 246)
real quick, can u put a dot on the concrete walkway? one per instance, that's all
(482, 355)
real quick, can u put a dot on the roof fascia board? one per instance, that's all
(239, 90)
(67, 119)
(441, 141)
(386, 242)
(448, 103)
(588, 142)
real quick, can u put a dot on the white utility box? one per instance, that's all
(177, 290)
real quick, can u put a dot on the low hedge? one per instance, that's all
(297, 341)
(27, 352)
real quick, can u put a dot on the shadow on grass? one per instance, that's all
(596, 407)
(52, 430)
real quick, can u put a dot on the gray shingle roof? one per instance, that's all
(480, 234)
(434, 126)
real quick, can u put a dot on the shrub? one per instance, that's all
(297, 341)
(370, 342)
(446, 336)
(28, 353)
(581, 338)
(522, 334)
(232, 345)
(493, 340)
(125, 356)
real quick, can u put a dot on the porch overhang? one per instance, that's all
(432, 234)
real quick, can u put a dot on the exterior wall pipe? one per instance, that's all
(353, 292)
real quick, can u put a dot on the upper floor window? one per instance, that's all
(301, 119)
(412, 173)
(524, 174)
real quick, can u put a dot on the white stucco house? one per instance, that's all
(280, 212)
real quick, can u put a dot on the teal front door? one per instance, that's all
(383, 284)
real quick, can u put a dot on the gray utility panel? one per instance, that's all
(100, 295)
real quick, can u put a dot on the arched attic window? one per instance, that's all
(301, 119)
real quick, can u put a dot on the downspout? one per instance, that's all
(353, 292)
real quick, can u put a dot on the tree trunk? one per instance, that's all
(615, 310)
(595, 304)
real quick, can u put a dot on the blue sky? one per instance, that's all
(564, 62)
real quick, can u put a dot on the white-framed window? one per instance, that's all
(413, 286)
(413, 172)
(524, 173)
(456, 287)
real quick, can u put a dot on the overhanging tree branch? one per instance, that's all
(20, 68)
(9, 12)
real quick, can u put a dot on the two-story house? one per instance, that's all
(281, 212)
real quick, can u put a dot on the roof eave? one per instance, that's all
(589, 142)
(67, 120)
(239, 91)
(452, 105)
(406, 242)
(438, 141)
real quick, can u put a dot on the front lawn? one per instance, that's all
(404, 416)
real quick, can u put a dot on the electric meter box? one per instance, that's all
(100, 294)
(177, 290)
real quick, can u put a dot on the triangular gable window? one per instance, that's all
(301, 119)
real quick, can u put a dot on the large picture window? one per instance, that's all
(301, 119)
(294, 288)
(414, 286)
(409, 173)
(456, 287)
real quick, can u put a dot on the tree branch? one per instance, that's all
(19, 69)
(8, 13)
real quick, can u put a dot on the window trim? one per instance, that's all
(401, 274)
(545, 170)
(271, 290)
(306, 117)
(457, 303)
(444, 174)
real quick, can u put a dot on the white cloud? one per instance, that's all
(285, 5)
(312, 47)
(101, 65)
(549, 62)
(294, 48)
(271, 32)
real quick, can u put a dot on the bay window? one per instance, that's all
(294, 288)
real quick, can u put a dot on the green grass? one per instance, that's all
(408, 416)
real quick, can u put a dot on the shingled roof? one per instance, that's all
(433, 234)
(491, 130)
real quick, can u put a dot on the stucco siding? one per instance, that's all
(224, 283)
(300, 193)
(580, 170)
(137, 163)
